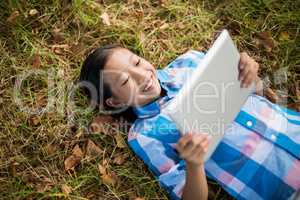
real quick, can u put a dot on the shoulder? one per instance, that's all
(189, 59)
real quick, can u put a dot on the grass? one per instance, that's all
(54, 42)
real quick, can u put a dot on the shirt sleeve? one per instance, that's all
(190, 59)
(162, 160)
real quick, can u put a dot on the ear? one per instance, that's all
(112, 102)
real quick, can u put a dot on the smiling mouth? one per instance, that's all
(149, 84)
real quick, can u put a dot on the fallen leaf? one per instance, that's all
(34, 120)
(60, 48)
(66, 189)
(271, 95)
(120, 141)
(51, 149)
(35, 61)
(105, 19)
(100, 123)
(13, 16)
(77, 151)
(73, 160)
(120, 159)
(92, 150)
(101, 169)
(57, 36)
(33, 12)
(108, 179)
(294, 106)
(139, 198)
(265, 39)
(284, 36)
(164, 26)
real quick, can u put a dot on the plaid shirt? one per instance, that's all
(258, 157)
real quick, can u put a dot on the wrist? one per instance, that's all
(194, 166)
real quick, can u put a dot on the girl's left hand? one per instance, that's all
(248, 69)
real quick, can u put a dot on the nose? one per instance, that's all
(138, 74)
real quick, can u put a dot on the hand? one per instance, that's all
(248, 69)
(192, 148)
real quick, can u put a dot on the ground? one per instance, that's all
(49, 153)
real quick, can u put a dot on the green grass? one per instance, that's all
(157, 32)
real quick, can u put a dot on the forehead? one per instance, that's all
(119, 59)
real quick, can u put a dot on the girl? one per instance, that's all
(258, 157)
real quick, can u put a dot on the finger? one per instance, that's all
(248, 80)
(183, 141)
(243, 58)
(243, 72)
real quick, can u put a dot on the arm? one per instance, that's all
(192, 148)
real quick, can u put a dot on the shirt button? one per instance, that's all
(273, 137)
(249, 123)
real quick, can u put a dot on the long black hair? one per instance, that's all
(91, 74)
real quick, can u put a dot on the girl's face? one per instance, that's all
(131, 78)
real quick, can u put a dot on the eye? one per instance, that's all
(125, 81)
(138, 62)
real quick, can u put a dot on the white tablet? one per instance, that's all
(212, 97)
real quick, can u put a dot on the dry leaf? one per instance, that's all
(284, 36)
(34, 120)
(92, 150)
(271, 95)
(108, 179)
(120, 159)
(35, 61)
(66, 189)
(265, 39)
(60, 48)
(13, 16)
(51, 149)
(57, 36)
(120, 141)
(73, 160)
(105, 19)
(294, 106)
(101, 169)
(139, 198)
(33, 12)
(164, 26)
(99, 124)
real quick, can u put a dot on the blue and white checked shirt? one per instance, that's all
(258, 158)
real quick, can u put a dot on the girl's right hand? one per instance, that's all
(192, 148)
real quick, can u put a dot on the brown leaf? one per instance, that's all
(77, 151)
(59, 49)
(139, 198)
(73, 160)
(35, 61)
(51, 149)
(120, 159)
(108, 179)
(120, 141)
(284, 36)
(295, 90)
(66, 189)
(265, 39)
(57, 36)
(92, 150)
(101, 169)
(13, 16)
(271, 95)
(100, 123)
(34, 120)
(33, 12)
(294, 106)
(105, 19)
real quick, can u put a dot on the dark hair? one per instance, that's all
(91, 73)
